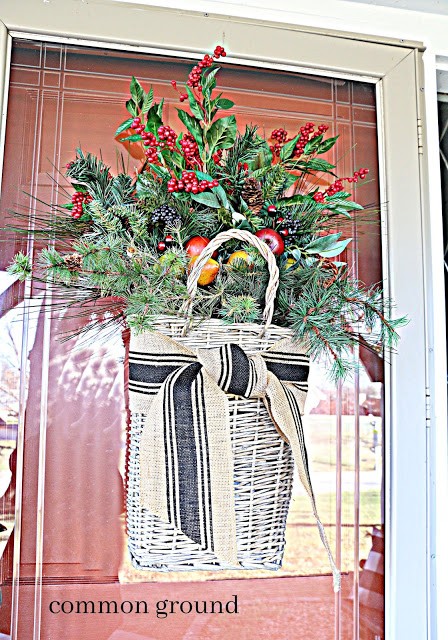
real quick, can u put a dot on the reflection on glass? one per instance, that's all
(64, 96)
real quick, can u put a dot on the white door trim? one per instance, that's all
(111, 24)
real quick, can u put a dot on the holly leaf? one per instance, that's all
(218, 191)
(324, 243)
(327, 144)
(148, 101)
(137, 92)
(160, 107)
(154, 121)
(208, 198)
(132, 108)
(192, 125)
(222, 133)
(313, 145)
(292, 200)
(336, 249)
(194, 105)
(223, 103)
(123, 127)
(288, 149)
(134, 138)
(313, 164)
(209, 83)
(263, 159)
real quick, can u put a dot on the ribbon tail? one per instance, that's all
(186, 461)
(285, 404)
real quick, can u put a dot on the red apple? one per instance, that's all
(195, 245)
(272, 239)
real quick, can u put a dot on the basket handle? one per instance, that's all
(207, 252)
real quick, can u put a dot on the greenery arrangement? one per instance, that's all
(126, 242)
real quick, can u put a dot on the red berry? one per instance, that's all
(284, 232)
(272, 209)
(169, 240)
(161, 246)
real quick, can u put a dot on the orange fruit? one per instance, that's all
(208, 272)
(240, 255)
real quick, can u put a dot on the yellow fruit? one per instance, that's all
(290, 263)
(208, 273)
(240, 255)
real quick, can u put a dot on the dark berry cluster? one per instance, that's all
(190, 149)
(165, 216)
(307, 133)
(79, 199)
(290, 227)
(337, 185)
(189, 182)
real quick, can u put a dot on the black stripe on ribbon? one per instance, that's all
(187, 476)
(150, 373)
(240, 372)
(288, 372)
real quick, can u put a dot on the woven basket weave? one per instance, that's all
(263, 464)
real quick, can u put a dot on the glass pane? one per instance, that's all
(62, 97)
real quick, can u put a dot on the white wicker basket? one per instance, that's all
(263, 464)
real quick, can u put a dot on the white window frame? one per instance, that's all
(395, 66)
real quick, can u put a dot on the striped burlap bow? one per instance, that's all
(186, 461)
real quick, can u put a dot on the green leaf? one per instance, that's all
(223, 103)
(134, 138)
(209, 83)
(323, 243)
(194, 105)
(288, 149)
(244, 224)
(192, 125)
(316, 164)
(208, 198)
(222, 134)
(154, 121)
(292, 200)
(259, 173)
(148, 101)
(132, 108)
(160, 108)
(313, 145)
(263, 160)
(123, 126)
(336, 249)
(327, 144)
(137, 92)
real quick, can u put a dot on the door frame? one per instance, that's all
(396, 68)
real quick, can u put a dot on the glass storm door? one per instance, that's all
(69, 543)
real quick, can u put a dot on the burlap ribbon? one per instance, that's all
(186, 461)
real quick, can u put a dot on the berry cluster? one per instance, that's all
(190, 149)
(194, 78)
(307, 133)
(337, 186)
(138, 125)
(79, 199)
(182, 96)
(217, 156)
(280, 135)
(165, 216)
(189, 182)
(167, 137)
